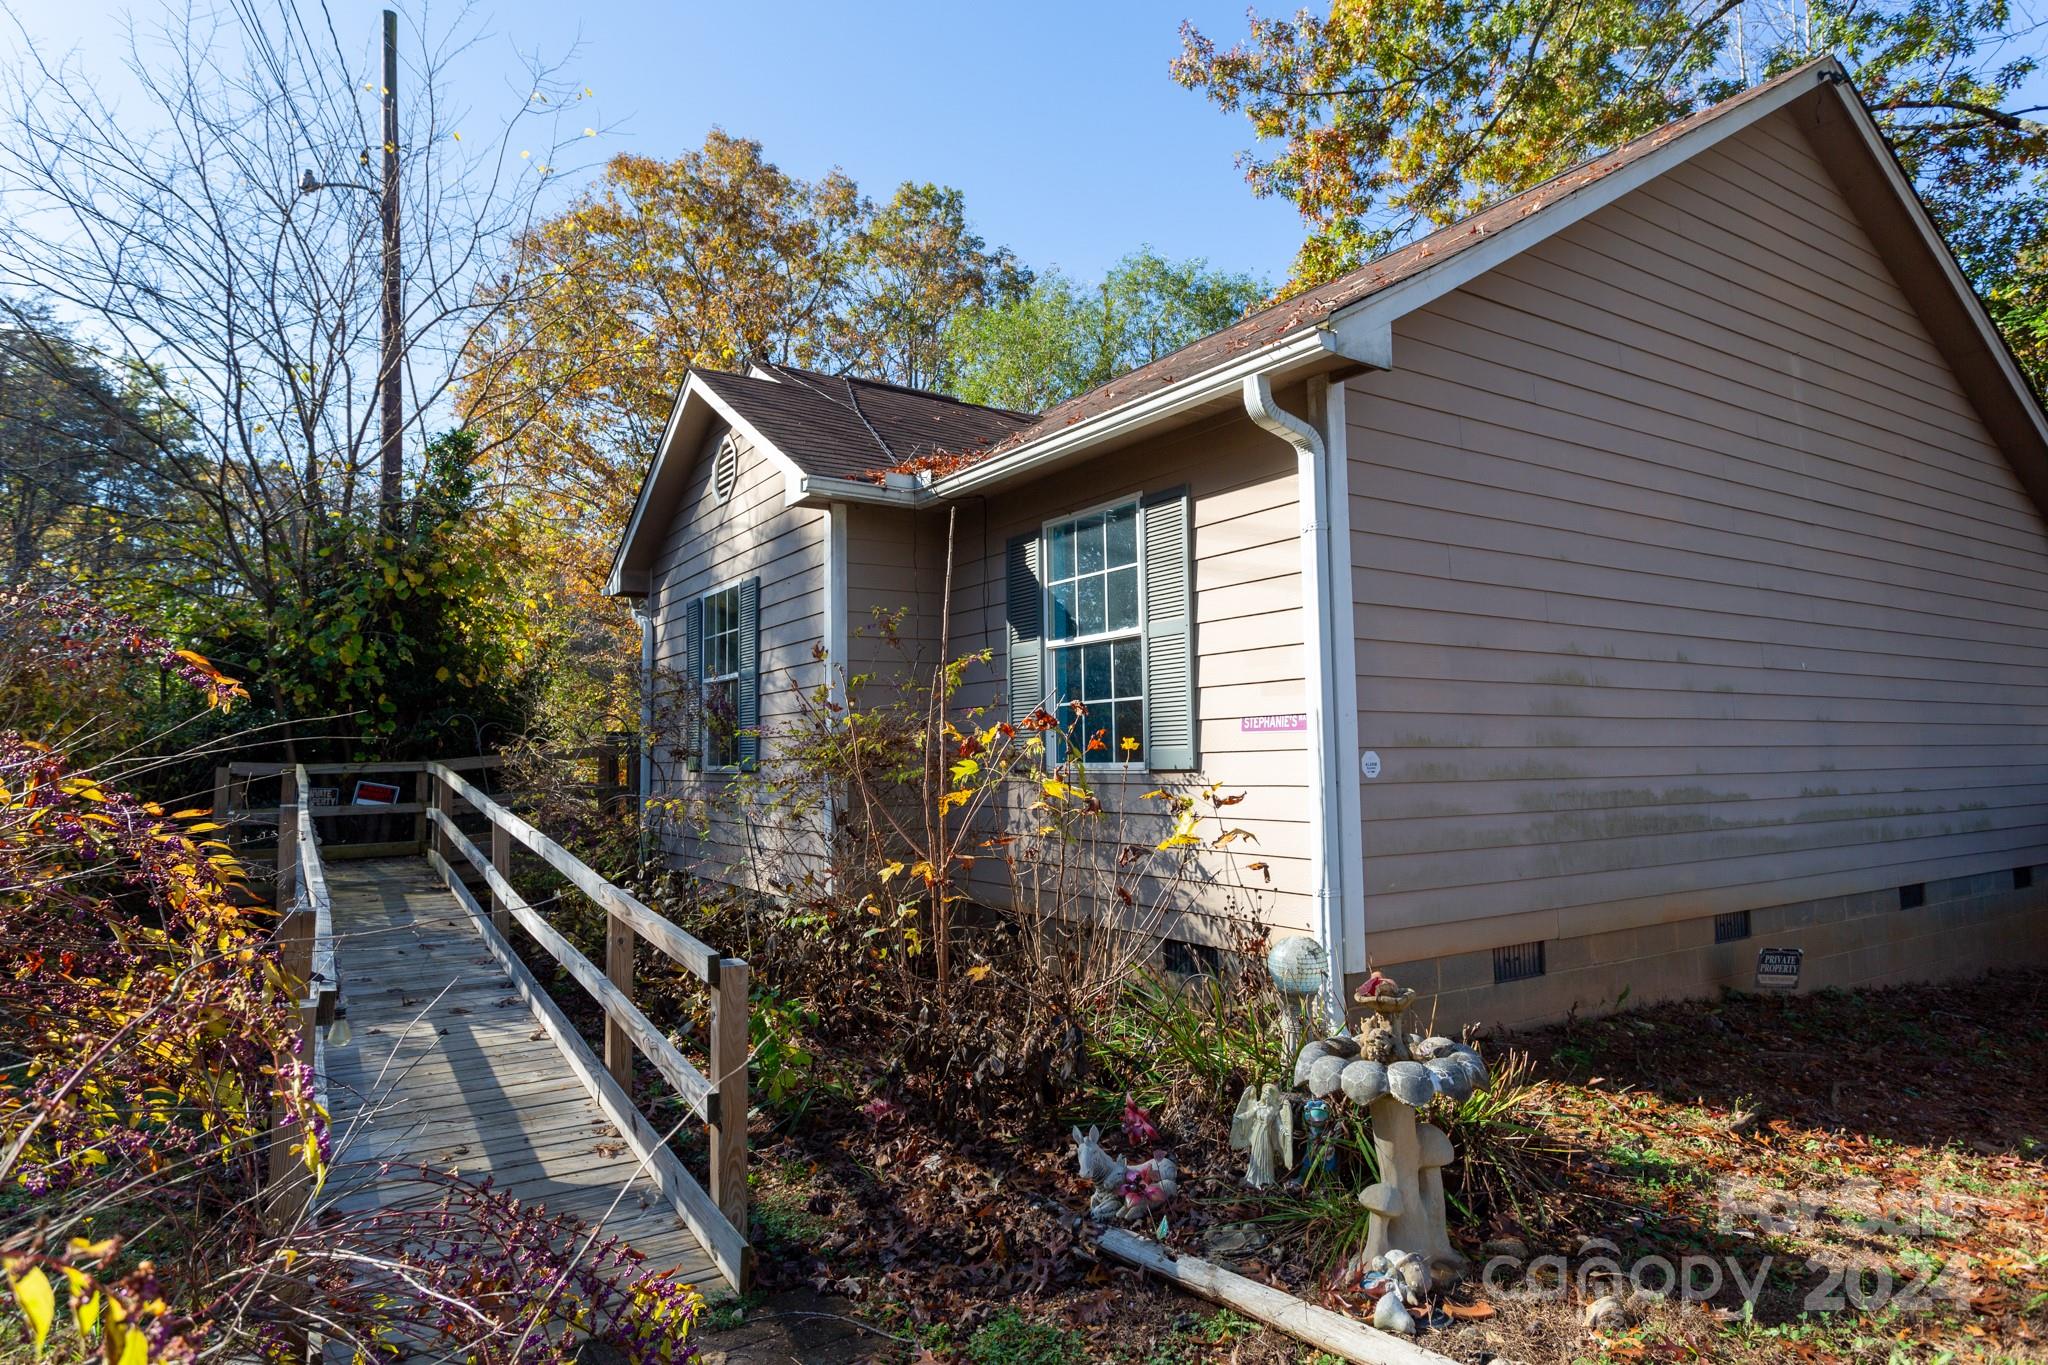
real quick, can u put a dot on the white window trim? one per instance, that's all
(704, 680)
(1047, 646)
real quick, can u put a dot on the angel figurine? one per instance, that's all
(1264, 1126)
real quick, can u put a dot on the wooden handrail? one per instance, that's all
(305, 937)
(684, 947)
(700, 1094)
(719, 1217)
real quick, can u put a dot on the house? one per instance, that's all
(1644, 573)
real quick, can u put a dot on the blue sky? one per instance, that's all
(1058, 120)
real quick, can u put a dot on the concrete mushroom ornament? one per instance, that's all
(1394, 1075)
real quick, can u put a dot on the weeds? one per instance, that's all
(1511, 1166)
(1167, 1040)
(1009, 1339)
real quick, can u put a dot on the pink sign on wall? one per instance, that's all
(1256, 725)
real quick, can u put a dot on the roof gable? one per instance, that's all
(815, 427)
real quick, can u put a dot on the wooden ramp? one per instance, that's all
(447, 1066)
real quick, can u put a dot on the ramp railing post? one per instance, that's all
(288, 796)
(618, 966)
(501, 860)
(729, 1074)
(444, 802)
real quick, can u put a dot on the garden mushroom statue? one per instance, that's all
(1395, 1075)
(1300, 969)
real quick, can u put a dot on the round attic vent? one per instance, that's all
(725, 473)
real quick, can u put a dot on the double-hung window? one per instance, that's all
(723, 628)
(1096, 634)
(719, 685)
(1098, 608)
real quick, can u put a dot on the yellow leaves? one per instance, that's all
(1056, 789)
(890, 870)
(952, 801)
(1231, 836)
(129, 1345)
(1183, 835)
(965, 770)
(37, 1301)
(978, 971)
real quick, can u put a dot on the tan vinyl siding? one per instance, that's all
(1686, 580)
(711, 545)
(1248, 640)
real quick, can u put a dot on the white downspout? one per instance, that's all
(644, 613)
(835, 642)
(1318, 682)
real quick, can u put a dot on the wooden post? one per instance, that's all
(501, 859)
(444, 802)
(422, 787)
(288, 798)
(618, 965)
(729, 1074)
(221, 789)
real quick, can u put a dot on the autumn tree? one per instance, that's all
(1391, 119)
(1065, 337)
(716, 258)
(917, 266)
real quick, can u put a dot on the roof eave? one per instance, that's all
(1321, 346)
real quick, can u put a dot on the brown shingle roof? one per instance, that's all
(838, 426)
(1313, 306)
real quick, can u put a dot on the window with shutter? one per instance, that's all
(725, 658)
(1095, 635)
(1101, 613)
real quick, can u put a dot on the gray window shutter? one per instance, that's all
(749, 701)
(693, 663)
(1023, 603)
(1170, 736)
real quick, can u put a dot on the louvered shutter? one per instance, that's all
(1023, 601)
(693, 663)
(748, 704)
(1169, 631)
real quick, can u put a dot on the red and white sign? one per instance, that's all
(1259, 725)
(375, 794)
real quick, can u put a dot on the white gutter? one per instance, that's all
(1368, 342)
(1326, 842)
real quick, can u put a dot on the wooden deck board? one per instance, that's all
(448, 1068)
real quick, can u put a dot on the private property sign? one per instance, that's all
(1777, 969)
(1259, 725)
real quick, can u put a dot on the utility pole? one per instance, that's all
(391, 490)
(390, 377)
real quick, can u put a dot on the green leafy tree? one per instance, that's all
(414, 638)
(920, 266)
(1063, 338)
(1394, 118)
